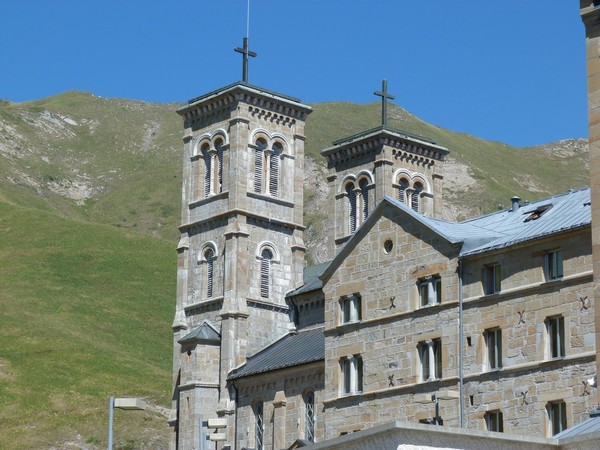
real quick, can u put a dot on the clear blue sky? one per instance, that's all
(511, 70)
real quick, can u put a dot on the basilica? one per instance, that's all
(480, 329)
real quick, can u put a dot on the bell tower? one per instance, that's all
(241, 248)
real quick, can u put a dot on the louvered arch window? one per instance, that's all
(416, 196)
(351, 207)
(274, 162)
(209, 256)
(207, 169)
(402, 187)
(265, 272)
(364, 194)
(259, 155)
(219, 168)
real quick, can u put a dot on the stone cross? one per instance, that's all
(246, 53)
(384, 97)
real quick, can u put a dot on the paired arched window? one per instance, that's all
(358, 202)
(267, 167)
(211, 154)
(410, 192)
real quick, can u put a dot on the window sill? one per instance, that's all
(209, 199)
(270, 198)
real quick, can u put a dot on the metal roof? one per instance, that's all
(204, 332)
(591, 425)
(563, 212)
(293, 349)
(311, 279)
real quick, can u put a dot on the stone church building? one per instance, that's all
(485, 325)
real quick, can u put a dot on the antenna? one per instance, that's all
(248, 20)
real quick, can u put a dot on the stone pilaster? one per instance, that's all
(279, 404)
(590, 14)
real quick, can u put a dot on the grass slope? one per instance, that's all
(86, 311)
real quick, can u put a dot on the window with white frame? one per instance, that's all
(350, 309)
(554, 265)
(364, 198)
(492, 279)
(259, 157)
(265, 272)
(557, 416)
(207, 156)
(430, 354)
(259, 426)
(493, 341)
(218, 172)
(555, 328)
(352, 374)
(430, 290)
(494, 421)
(309, 416)
(274, 166)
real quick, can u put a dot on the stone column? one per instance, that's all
(279, 404)
(591, 18)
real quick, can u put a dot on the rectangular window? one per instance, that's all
(352, 374)
(555, 327)
(494, 421)
(430, 353)
(493, 340)
(430, 290)
(350, 309)
(557, 414)
(492, 277)
(554, 265)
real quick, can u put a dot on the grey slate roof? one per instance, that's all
(291, 350)
(205, 332)
(311, 279)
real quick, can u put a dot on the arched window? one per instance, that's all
(415, 196)
(207, 169)
(219, 166)
(265, 272)
(274, 169)
(259, 427)
(259, 155)
(364, 194)
(209, 256)
(352, 206)
(402, 187)
(309, 416)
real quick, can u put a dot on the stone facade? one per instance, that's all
(417, 326)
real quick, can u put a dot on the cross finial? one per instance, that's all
(384, 98)
(246, 53)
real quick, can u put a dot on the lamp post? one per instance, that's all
(121, 403)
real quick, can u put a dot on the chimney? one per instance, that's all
(515, 203)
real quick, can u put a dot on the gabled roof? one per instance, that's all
(293, 349)
(205, 332)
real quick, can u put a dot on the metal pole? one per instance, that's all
(111, 408)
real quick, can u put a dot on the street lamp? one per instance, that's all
(436, 397)
(121, 403)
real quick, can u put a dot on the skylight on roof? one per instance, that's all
(537, 212)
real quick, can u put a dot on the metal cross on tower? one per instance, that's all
(246, 53)
(384, 98)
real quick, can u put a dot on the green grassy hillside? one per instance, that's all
(86, 313)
